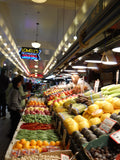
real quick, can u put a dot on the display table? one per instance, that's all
(8, 153)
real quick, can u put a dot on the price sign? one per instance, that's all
(96, 85)
(107, 124)
(65, 157)
(116, 136)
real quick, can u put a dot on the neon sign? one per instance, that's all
(30, 53)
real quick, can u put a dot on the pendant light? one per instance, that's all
(108, 58)
(75, 37)
(35, 44)
(39, 1)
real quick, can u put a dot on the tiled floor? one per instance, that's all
(4, 140)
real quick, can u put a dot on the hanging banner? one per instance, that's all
(30, 53)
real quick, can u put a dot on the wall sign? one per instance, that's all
(30, 53)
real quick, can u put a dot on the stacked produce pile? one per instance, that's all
(36, 132)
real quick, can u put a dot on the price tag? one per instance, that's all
(64, 137)
(116, 136)
(117, 76)
(65, 157)
(96, 85)
(59, 127)
(107, 124)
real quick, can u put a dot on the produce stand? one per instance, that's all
(8, 153)
(56, 150)
(97, 119)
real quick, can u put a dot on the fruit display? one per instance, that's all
(71, 125)
(43, 135)
(37, 110)
(52, 90)
(35, 102)
(32, 118)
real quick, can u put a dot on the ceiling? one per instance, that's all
(54, 18)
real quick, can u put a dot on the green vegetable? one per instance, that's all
(29, 118)
(48, 135)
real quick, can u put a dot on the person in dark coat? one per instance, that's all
(14, 104)
(4, 81)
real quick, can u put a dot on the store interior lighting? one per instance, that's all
(93, 61)
(36, 44)
(117, 49)
(108, 58)
(79, 67)
(82, 70)
(39, 1)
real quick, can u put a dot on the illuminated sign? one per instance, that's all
(30, 53)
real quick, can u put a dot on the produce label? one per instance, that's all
(96, 85)
(107, 124)
(116, 136)
(64, 157)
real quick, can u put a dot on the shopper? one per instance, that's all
(23, 94)
(78, 81)
(4, 81)
(14, 104)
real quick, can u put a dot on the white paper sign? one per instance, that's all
(116, 136)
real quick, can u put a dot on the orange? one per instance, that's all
(19, 146)
(52, 143)
(45, 143)
(39, 143)
(33, 147)
(26, 145)
(33, 142)
(22, 141)
(40, 149)
(58, 143)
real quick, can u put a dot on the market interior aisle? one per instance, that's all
(4, 140)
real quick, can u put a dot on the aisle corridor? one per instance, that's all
(4, 140)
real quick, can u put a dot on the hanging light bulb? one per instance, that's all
(36, 44)
(39, 1)
(75, 37)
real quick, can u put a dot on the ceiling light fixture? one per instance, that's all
(36, 66)
(75, 37)
(5, 44)
(79, 67)
(0, 37)
(36, 44)
(93, 61)
(39, 1)
(81, 70)
(117, 49)
(108, 58)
